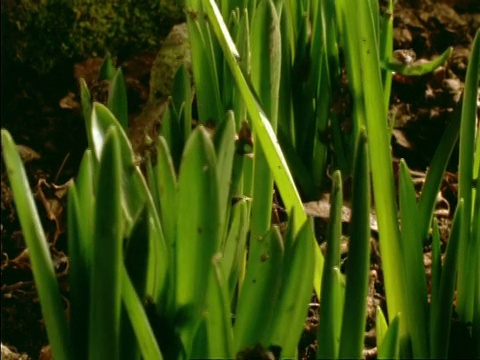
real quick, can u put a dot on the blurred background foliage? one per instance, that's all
(40, 35)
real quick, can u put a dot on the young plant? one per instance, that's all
(174, 240)
(370, 86)
(343, 303)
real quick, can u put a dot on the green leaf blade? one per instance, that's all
(79, 275)
(139, 320)
(104, 327)
(329, 327)
(167, 189)
(295, 294)
(43, 271)
(197, 230)
(235, 245)
(205, 74)
(117, 98)
(466, 164)
(414, 270)
(354, 319)
(263, 129)
(265, 77)
(442, 312)
(214, 340)
(261, 287)
(86, 100)
(389, 348)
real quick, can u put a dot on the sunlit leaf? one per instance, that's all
(43, 272)
(104, 326)
(197, 230)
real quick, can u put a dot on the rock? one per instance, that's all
(175, 51)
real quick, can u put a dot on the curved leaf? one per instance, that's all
(417, 69)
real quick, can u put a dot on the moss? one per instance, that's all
(43, 33)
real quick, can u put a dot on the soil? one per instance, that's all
(43, 115)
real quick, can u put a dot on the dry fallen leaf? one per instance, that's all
(53, 198)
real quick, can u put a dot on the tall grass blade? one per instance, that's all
(197, 231)
(140, 323)
(286, 124)
(303, 177)
(263, 129)
(172, 133)
(204, 65)
(136, 260)
(43, 271)
(476, 262)
(468, 131)
(261, 288)
(386, 46)
(389, 348)
(265, 76)
(325, 72)
(134, 192)
(428, 195)
(166, 188)
(380, 158)
(107, 70)
(79, 275)
(117, 98)
(104, 326)
(330, 324)
(182, 97)
(436, 273)
(347, 18)
(414, 270)
(235, 245)
(214, 340)
(80, 248)
(442, 311)
(224, 143)
(302, 95)
(242, 40)
(102, 120)
(354, 319)
(85, 187)
(86, 100)
(381, 325)
(295, 294)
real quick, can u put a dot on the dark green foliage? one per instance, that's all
(42, 34)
